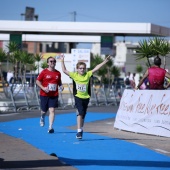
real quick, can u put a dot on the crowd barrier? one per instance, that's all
(17, 98)
(144, 111)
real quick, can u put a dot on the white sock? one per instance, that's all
(79, 130)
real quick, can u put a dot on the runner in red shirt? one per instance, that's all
(49, 80)
(156, 76)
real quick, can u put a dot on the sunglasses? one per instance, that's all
(52, 61)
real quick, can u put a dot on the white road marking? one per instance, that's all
(163, 151)
(109, 123)
(140, 144)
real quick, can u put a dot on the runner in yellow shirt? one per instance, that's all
(81, 87)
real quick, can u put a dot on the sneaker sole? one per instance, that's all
(78, 137)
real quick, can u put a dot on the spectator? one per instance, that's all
(143, 86)
(132, 80)
(127, 81)
(10, 75)
(156, 76)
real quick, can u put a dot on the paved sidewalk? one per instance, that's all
(17, 154)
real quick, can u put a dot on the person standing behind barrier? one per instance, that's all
(132, 80)
(143, 86)
(49, 80)
(156, 76)
(127, 81)
(81, 81)
(10, 75)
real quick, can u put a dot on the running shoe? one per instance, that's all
(79, 135)
(51, 130)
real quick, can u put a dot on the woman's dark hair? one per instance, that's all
(157, 61)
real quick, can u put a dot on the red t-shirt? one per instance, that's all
(52, 79)
(156, 77)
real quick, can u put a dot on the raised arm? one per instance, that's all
(101, 64)
(63, 65)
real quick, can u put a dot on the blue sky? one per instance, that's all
(154, 11)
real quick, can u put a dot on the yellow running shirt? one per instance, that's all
(82, 84)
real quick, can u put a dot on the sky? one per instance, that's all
(145, 11)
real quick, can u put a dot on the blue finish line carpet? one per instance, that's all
(92, 152)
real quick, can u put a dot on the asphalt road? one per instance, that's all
(17, 154)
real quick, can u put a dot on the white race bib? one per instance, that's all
(81, 87)
(52, 87)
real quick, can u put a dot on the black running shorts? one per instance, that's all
(81, 105)
(47, 102)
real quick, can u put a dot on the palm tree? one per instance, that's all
(38, 58)
(107, 72)
(44, 65)
(12, 47)
(2, 58)
(144, 51)
(95, 60)
(115, 71)
(153, 47)
(139, 69)
(14, 57)
(160, 47)
(25, 60)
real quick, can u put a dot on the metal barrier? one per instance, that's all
(65, 97)
(16, 98)
(7, 102)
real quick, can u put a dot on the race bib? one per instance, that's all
(81, 87)
(52, 87)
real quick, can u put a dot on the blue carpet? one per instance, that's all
(92, 152)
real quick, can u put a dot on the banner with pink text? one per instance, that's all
(144, 111)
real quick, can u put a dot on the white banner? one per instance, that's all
(145, 111)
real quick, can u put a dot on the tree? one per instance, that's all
(144, 51)
(160, 47)
(26, 59)
(38, 58)
(107, 72)
(21, 61)
(14, 57)
(115, 71)
(2, 58)
(153, 47)
(44, 65)
(139, 69)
